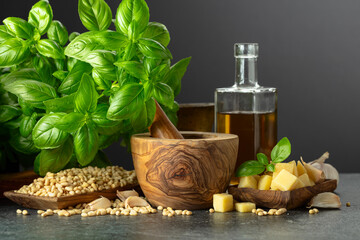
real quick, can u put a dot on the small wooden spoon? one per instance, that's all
(162, 127)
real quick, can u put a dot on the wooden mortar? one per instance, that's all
(184, 173)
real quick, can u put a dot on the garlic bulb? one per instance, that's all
(329, 171)
(325, 200)
(101, 202)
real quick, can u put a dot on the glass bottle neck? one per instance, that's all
(246, 72)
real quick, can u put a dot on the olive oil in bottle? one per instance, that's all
(247, 109)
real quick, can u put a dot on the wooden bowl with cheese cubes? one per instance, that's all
(290, 186)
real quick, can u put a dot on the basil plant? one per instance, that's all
(66, 97)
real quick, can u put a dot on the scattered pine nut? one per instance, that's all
(19, 211)
(348, 204)
(311, 211)
(25, 212)
(84, 214)
(260, 213)
(160, 208)
(211, 210)
(316, 210)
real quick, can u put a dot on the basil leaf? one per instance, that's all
(46, 135)
(101, 59)
(95, 14)
(171, 114)
(73, 35)
(14, 123)
(148, 90)
(8, 112)
(83, 44)
(104, 125)
(44, 67)
(176, 73)
(71, 122)
(19, 27)
(164, 94)
(103, 77)
(125, 101)
(21, 74)
(60, 74)
(133, 31)
(153, 49)
(270, 167)
(250, 168)
(86, 96)
(57, 32)
(31, 90)
(4, 34)
(139, 120)
(55, 159)
(132, 10)
(158, 73)
(281, 150)
(50, 48)
(100, 160)
(71, 63)
(37, 165)
(41, 15)
(26, 108)
(27, 124)
(21, 144)
(13, 52)
(158, 32)
(64, 104)
(86, 142)
(72, 81)
(134, 68)
(262, 158)
(150, 109)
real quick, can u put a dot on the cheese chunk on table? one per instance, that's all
(245, 207)
(285, 181)
(223, 202)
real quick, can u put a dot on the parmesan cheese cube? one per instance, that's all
(280, 166)
(264, 182)
(306, 180)
(223, 202)
(245, 207)
(295, 168)
(285, 181)
(248, 182)
(300, 168)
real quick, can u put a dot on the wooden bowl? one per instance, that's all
(184, 173)
(196, 117)
(281, 199)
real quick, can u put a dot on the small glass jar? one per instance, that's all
(247, 109)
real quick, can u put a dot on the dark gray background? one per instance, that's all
(309, 50)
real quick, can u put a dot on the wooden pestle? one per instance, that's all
(162, 127)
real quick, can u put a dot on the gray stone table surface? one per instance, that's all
(296, 224)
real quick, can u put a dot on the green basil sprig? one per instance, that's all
(279, 153)
(67, 100)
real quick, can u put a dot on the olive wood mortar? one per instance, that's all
(281, 199)
(184, 173)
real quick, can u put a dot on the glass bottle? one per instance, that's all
(247, 109)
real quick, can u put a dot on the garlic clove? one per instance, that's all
(325, 200)
(315, 174)
(101, 202)
(123, 195)
(330, 171)
(134, 201)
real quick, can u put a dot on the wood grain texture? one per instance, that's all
(184, 173)
(12, 181)
(162, 127)
(36, 202)
(281, 199)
